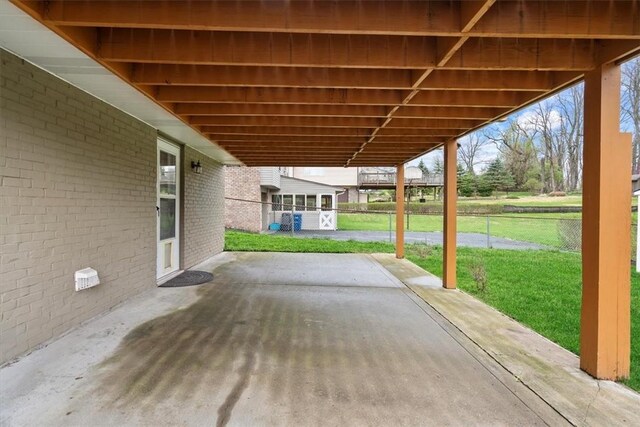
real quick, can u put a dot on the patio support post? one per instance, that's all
(606, 230)
(400, 211)
(450, 214)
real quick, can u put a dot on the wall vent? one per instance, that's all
(86, 278)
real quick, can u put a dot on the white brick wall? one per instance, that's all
(78, 189)
(203, 210)
(242, 182)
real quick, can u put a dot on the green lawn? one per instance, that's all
(536, 228)
(540, 289)
(239, 241)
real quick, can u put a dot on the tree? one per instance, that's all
(438, 166)
(470, 148)
(483, 186)
(517, 148)
(460, 170)
(467, 185)
(498, 177)
(423, 167)
(631, 105)
(570, 104)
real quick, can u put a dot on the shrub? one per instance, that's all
(557, 194)
(478, 274)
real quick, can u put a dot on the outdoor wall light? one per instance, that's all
(196, 166)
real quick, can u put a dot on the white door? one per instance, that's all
(327, 218)
(168, 208)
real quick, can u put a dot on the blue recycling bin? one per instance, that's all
(297, 221)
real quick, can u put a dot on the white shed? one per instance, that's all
(313, 201)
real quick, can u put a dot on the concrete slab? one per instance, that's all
(547, 369)
(274, 339)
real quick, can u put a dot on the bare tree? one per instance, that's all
(570, 104)
(515, 144)
(470, 149)
(631, 105)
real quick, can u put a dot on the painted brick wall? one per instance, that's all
(77, 190)
(242, 183)
(203, 210)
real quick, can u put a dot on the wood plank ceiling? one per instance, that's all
(344, 83)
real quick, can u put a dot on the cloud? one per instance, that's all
(528, 119)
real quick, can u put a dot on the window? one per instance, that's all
(312, 202)
(287, 202)
(326, 202)
(299, 202)
(276, 199)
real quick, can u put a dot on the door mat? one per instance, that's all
(188, 278)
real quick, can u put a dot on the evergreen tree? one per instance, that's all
(498, 177)
(438, 167)
(423, 168)
(467, 185)
(483, 186)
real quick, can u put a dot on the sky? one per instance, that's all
(525, 119)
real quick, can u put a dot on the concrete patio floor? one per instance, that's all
(275, 339)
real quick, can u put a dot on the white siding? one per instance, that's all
(341, 177)
(269, 177)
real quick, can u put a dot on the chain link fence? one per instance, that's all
(500, 231)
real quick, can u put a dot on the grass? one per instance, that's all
(535, 228)
(239, 241)
(541, 289)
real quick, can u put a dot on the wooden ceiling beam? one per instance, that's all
(266, 146)
(338, 51)
(219, 131)
(419, 123)
(496, 80)
(525, 54)
(189, 94)
(272, 49)
(538, 19)
(452, 112)
(302, 110)
(346, 151)
(303, 139)
(294, 77)
(333, 122)
(617, 19)
(316, 122)
(472, 99)
(192, 94)
(285, 131)
(275, 110)
(418, 133)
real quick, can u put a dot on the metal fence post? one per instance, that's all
(488, 232)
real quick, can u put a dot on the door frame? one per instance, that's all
(162, 275)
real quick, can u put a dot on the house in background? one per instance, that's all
(315, 202)
(257, 197)
(346, 178)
